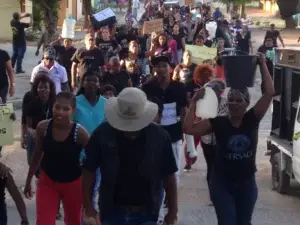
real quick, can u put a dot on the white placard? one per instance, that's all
(169, 114)
(104, 14)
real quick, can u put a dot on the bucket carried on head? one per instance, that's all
(239, 70)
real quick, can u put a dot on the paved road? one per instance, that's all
(271, 208)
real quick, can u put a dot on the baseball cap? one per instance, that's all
(160, 58)
(50, 53)
(88, 37)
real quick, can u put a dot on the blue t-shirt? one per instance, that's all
(88, 116)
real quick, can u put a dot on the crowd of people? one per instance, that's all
(111, 152)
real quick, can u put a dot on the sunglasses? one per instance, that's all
(49, 59)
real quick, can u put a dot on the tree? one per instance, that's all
(49, 12)
(239, 3)
(87, 9)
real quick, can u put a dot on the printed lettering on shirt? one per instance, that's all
(239, 146)
(169, 114)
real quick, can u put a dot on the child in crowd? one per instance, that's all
(109, 91)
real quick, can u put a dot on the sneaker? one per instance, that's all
(187, 168)
(20, 71)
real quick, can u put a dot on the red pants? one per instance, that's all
(48, 195)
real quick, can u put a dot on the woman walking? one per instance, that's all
(59, 142)
(233, 186)
(90, 111)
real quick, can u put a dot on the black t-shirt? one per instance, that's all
(236, 152)
(185, 72)
(88, 60)
(18, 32)
(119, 80)
(208, 43)
(191, 87)
(243, 43)
(274, 34)
(263, 49)
(174, 98)
(131, 188)
(28, 97)
(4, 58)
(64, 56)
(105, 46)
(38, 111)
(123, 40)
(134, 69)
(3, 210)
(178, 39)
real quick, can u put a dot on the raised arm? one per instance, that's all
(263, 103)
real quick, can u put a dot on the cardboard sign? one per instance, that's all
(6, 125)
(199, 54)
(26, 19)
(104, 14)
(153, 26)
(189, 2)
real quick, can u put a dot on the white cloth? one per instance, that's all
(57, 73)
(222, 111)
(136, 4)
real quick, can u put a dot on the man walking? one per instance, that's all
(136, 158)
(19, 40)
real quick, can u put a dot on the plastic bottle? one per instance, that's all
(68, 30)
(208, 106)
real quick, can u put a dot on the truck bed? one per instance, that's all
(282, 144)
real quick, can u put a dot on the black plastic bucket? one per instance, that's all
(239, 70)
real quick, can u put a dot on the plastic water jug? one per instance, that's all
(68, 30)
(211, 27)
(208, 106)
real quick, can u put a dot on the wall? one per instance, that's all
(79, 9)
(7, 8)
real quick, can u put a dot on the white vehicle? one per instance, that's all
(283, 144)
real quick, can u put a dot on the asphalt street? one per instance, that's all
(271, 208)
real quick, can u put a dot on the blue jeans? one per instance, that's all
(120, 217)
(17, 57)
(234, 202)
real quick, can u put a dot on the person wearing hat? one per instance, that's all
(89, 58)
(64, 53)
(135, 155)
(174, 98)
(57, 72)
(18, 40)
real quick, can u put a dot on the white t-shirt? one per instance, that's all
(57, 73)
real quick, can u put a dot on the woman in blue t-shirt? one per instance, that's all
(232, 184)
(90, 112)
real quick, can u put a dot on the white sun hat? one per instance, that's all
(130, 110)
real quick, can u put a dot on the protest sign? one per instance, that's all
(6, 125)
(199, 54)
(103, 18)
(189, 2)
(153, 26)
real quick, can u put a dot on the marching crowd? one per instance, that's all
(111, 152)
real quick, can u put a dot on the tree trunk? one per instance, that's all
(130, 5)
(243, 10)
(87, 8)
(290, 23)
